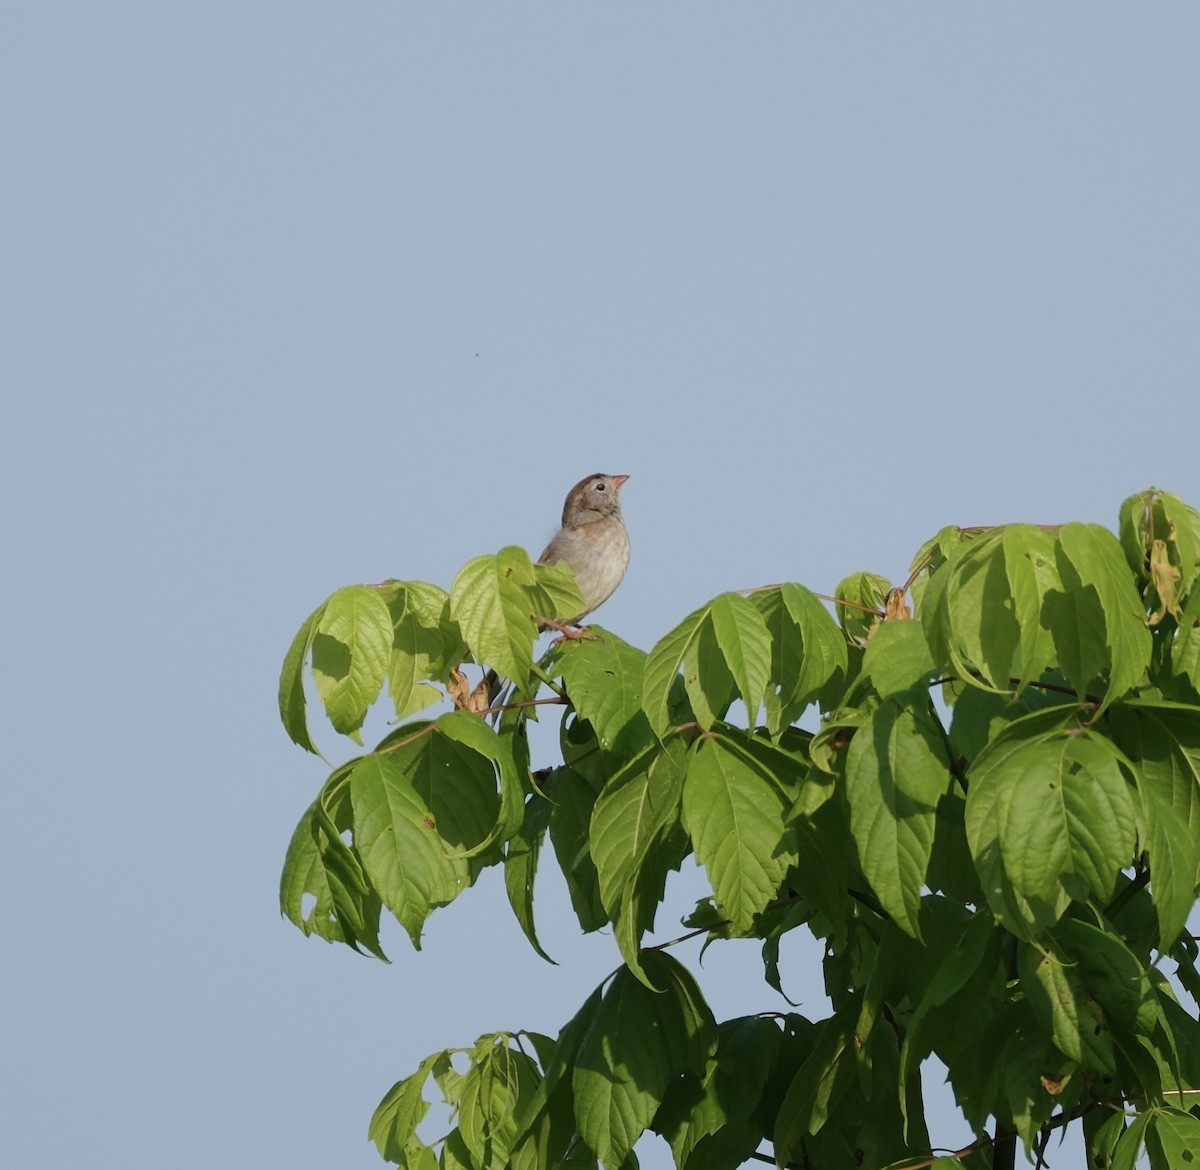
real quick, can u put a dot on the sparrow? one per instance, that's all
(593, 542)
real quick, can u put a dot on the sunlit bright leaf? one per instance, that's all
(896, 771)
(350, 649)
(735, 816)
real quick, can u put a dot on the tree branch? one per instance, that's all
(553, 701)
(1137, 882)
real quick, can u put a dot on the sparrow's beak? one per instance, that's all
(618, 480)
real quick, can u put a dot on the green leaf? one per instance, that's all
(455, 1154)
(897, 658)
(1125, 1155)
(815, 1088)
(1133, 531)
(721, 1103)
(866, 595)
(707, 679)
(637, 807)
(456, 770)
(1049, 817)
(394, 1124)
(1102, 1136)
(291, 683)
(1163, 742)
(826, 748)
(826, 862)
(980, 715)
(449, 1080)
(902, 970)
(572, 802)
(665, 662)
(987, 607)
(735, 816)
(425, 645)
(501, 1082)
(1180, 1030)
(985, 632)
(1058, 994)
(1098, 622)
(1183, 534)
(639, 1041)
(783, 763)
(397, 839)
(1174, 852)
(603, 676)
(896, 771)
(1185, 652)
(937, 549)
(643, 895)
(808, 651)
(462, 789)
(520, 867)
(423, 805)
(350, 650)
(1178, 1134)
(304, 874)
(953, 974)
(1076, 623)
(933, 612)
(951, 868)
(321, 866)
(549, 1139)
(1111, 972)
(724, 651)
(562, 1061)
(1070, 812)
(1153, 520)
(491, 604)
(744, 643)
(1022, 1054)
(1029, 564)
(555, 592)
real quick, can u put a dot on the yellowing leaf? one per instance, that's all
(1164, 578)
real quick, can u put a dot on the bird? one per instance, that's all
(594, 544)
(592, 541)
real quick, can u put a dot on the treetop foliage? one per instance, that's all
(979, 788)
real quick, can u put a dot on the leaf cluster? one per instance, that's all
(979, 789)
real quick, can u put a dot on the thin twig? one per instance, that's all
(776, 904)
(395, 747)
(1057, 688)
(819, 596)
(955, 762)
(691, 934)
(554, 701)
(1140, 879)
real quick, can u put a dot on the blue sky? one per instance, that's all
(302, 295)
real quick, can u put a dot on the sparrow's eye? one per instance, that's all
(601, 485)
